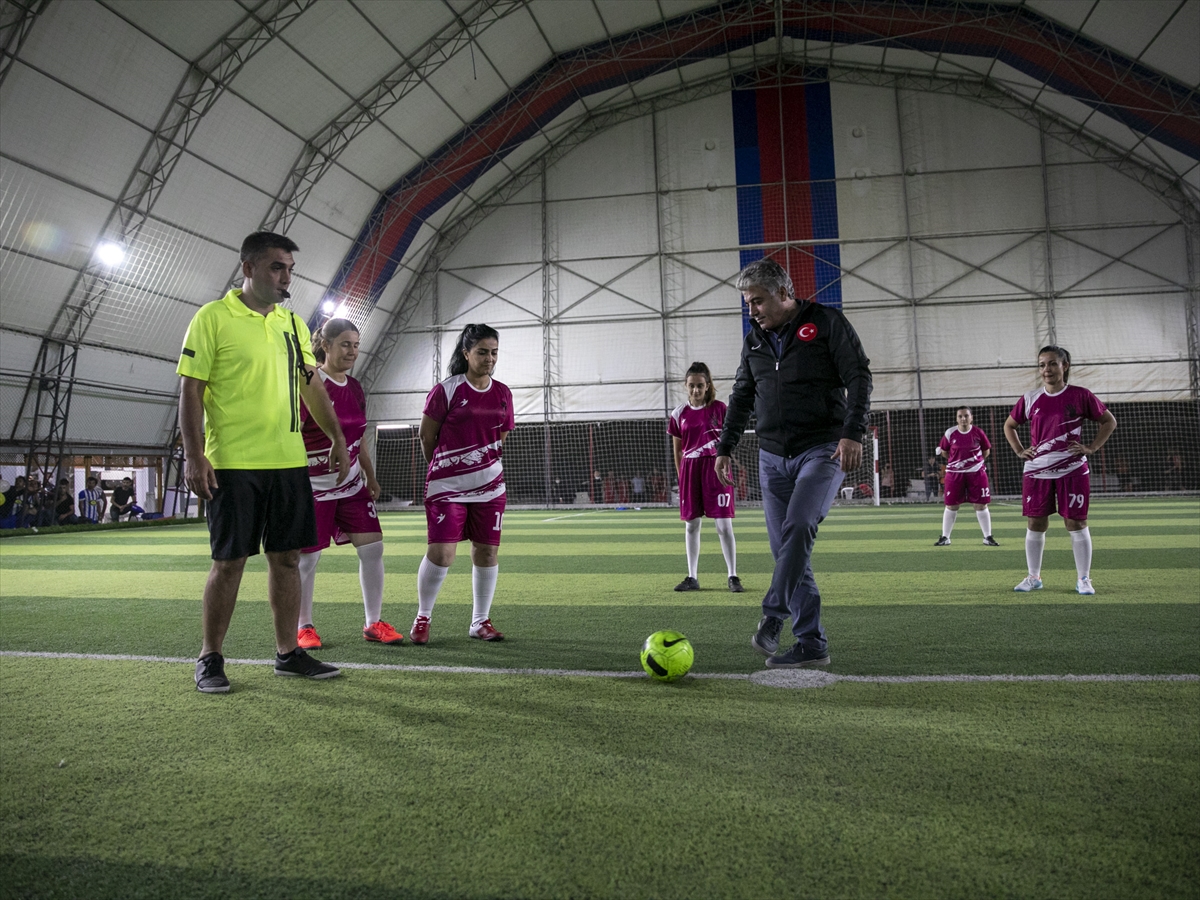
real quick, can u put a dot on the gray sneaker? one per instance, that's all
(766, 639)
(799, 658)
(210, 674)
(299, 664)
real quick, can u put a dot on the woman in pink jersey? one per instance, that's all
(966, 448)
(1056, 465)
(345, 512)
(695, 428)
(465, 421)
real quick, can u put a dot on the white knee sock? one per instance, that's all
(949, 516)
(1035, 543)
(691, 541)
(429, 583)
(370, 576)
(728, 544)
(1081, 546)
(308, 577)
(483, 588)
(985, 520)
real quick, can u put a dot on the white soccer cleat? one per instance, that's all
(1029, 584)
(1084, 586)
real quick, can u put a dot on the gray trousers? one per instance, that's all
(797, 494)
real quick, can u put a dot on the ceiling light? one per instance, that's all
(110, 254)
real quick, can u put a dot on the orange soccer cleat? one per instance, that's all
(308, 639)
(382, 633)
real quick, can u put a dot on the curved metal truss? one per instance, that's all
(45, 409)
(422, 287)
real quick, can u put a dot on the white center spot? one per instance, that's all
(793, 678)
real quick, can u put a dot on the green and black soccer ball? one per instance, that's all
(667, 655)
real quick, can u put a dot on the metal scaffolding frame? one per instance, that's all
(1163, 184)
(46, 405)
(782, 29)
(16, 20)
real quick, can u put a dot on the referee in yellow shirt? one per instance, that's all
(245, 365)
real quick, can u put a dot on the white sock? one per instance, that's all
(370, 576)
(948, 518)
(1081, 546)
(483, 588)
(1035, 543)
(429, 583)
(308, 578)
(728, 544)
(691, 540)
(985, 520)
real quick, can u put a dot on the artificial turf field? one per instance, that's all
(117, 779)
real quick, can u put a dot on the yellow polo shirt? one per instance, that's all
(252, 403)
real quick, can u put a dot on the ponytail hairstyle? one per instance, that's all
(699, 368)
(471, 335)
(1063, 357)
(329, 332)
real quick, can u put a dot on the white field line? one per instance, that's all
(793, 678)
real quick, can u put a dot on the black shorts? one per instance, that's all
(273, 507)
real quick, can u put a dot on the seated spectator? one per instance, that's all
(92, 502)
(31, 512)
(14, 498)
(64, 506)
(123, 503)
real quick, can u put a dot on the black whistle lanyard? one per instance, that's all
(300, 367)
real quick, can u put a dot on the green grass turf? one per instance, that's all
(417, 784)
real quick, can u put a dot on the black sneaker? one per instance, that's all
(735, 585)
(210, 674)
(766, 639)
(799, 658)
(943, 541)
(688, 584)
(991, 541)
(298, 664)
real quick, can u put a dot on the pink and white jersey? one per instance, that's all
(698, 429)
(964, 452)
(350, 405)
(466, 465)
(1055, 422)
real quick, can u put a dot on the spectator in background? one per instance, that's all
(610, 488)
(1174, 471)
(123, 498)
(887, 481)
(64, 505)
(658, 486)
(14, 497)
(92, 502)
(638, 484)
(31, 503)
(930, 473)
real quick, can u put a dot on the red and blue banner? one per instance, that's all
(787, 195)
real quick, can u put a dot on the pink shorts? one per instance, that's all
(451, 522)
(700, 492)
(967, 487)
(1070, 494)
(338, 519)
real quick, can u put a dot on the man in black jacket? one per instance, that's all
(804, 374)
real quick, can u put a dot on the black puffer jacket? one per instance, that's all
(818, 390)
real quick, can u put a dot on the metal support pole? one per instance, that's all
(912, 287)
(1044, 326)
(549, 296)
